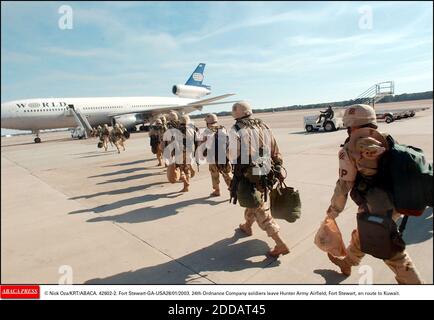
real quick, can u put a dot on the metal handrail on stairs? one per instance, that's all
(81, 120)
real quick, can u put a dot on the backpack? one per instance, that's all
(218, 146)
(247, 194)
(154, 143)
(244, 185)
(379, 235)
(408, 177)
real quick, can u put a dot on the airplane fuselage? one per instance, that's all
(53, 113)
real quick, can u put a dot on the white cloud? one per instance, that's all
(18, 57)
(82, 53)
(260, 20)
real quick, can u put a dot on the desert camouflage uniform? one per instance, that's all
(352, 161)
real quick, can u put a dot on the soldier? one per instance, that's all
(93, 132)
(98, 131)
(156, 133)
(172, 124)
(172, 120)
(105, 136)
(188, 131)
(359, 157)
(246, 130)
(117, 137)
(326, 114)
(163, 120)
(215, 136)
(125, 133)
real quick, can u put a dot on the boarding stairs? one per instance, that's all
(376, 93)
(81, 120)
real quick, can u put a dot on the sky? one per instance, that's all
(269, 53)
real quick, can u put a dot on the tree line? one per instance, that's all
(391, 98)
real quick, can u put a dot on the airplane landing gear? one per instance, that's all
(37, 139)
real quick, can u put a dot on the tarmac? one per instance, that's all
(114, 219)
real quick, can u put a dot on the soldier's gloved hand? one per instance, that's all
(278, 173)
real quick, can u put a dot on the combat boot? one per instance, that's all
(343, 264)
(278, 250)
(186, 185)
(215, 193)
(247, 229)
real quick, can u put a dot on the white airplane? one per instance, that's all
(53, 113)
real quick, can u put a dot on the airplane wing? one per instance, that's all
(194, 106)
(210, 100)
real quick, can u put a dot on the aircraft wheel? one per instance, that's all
(37, 140)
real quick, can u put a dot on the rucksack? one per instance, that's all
(408, 177)
(247, 194)
(154, 143)
(379, 235)
(219, 146)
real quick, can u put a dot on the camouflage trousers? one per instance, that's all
(181, 172)
(215, 176)
(159, 154)
(105, 141)
(401, 264)
(379, 201)
(263, 218)
(119, 142)
(187, 172)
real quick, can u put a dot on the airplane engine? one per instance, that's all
(129, 121)
(186, 91)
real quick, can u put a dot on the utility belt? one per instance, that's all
(249, 185)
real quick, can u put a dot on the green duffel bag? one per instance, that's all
(100, 144)
(285, 203)
(247, 194)
(408, 176)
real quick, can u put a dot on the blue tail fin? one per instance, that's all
(196, 77)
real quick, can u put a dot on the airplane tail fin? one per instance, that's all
(196, 77)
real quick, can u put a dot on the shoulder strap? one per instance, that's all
(403, 224)
(346, 141)
(390, 140)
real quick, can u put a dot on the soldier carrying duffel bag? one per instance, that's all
(375, 170)
(253, 177)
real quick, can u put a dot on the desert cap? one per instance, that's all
(172, 116)
(185, 119)
(241, 109)
(211, 118)
(359, 115)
